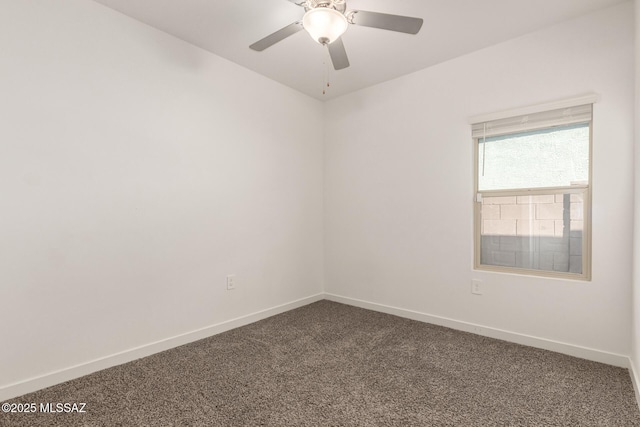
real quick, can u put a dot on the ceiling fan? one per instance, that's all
(327, 20)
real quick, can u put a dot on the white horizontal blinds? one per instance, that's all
(544, 119)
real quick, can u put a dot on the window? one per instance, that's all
(533, 193)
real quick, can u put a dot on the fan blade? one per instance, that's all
(338, 55)
(402, 24)
(279, 35)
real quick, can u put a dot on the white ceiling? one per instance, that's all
(451, 28)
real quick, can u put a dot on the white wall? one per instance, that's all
(136, 172)
(399, 185)
(635, 339)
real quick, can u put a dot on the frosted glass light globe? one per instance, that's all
(325, 25)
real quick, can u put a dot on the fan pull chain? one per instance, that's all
(327, 61)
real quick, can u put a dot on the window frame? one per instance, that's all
(586, 190)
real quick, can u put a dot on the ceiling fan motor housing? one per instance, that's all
(339, 5)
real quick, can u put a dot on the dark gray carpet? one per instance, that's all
(329, 364)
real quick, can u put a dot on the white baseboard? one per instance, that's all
(635, 380)
(559, 347)
(33, 384)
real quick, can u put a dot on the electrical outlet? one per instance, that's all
(231, 282)
(476, 287)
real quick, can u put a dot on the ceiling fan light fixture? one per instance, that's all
(324, 25)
